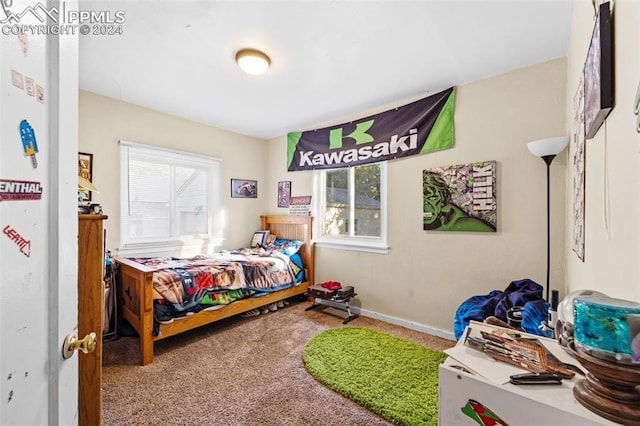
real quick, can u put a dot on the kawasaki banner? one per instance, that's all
(422, 126)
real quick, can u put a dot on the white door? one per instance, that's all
(38, 216)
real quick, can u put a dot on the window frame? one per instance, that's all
(348, 242)
(203, 242)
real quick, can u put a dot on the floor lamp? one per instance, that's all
(547, 149)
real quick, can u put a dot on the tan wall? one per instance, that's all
(612, 233)
(426, 275)
(104, 121)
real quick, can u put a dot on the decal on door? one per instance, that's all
(40, 93)
(28, 85)
(24, 43)
(23, 244)
(16, 190)
(17, 80)
(29, 143)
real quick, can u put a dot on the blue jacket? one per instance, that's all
(526, 293)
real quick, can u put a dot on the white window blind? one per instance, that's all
(169, 199)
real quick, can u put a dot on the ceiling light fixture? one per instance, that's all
(252, 61)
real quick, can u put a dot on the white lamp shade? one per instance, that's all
(252, 61)
(550, 146)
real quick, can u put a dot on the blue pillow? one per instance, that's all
(297, 267)
(288, 247)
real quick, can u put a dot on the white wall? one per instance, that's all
(427, 275)
(612, 233)
(104, 121)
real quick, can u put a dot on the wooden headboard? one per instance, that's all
(294, 227)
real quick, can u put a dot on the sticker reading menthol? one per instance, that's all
(16, 190)
(29, 143)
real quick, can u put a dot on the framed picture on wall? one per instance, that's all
(85, 171)
(598, 73)
(284, 193)
(460, 197)
(244, 188)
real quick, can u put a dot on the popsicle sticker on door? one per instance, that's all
(29, 143)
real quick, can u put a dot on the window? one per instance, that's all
(351, 211)
(168, 199)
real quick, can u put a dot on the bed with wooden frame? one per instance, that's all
(136, 289)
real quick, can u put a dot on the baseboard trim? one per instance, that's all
(391, 320)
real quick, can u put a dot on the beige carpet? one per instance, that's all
(240, 371)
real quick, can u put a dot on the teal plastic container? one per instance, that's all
(605, 328)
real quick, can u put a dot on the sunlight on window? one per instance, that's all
(351, 208)
(169, 196)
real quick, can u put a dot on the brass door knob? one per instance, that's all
(71, 343)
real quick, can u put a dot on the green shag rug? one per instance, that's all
(395, 378)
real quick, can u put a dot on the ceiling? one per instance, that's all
(330, 60)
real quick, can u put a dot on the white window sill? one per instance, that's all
(177, 248)
(369, 247)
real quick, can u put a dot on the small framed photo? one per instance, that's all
(244, 188)
(284, 193)
(85, 171)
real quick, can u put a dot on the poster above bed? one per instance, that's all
(423, 126)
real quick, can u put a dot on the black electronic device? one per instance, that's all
(322, 292)
(344, 292)
(535, 379)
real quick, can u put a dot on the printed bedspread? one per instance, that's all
(205, 281)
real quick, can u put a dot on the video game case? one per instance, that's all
(321, 292)
(345, 292)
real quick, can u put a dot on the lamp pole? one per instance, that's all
(547, 149)
(548, 159)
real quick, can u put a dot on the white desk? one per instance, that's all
(486, 381)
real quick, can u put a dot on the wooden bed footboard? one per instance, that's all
(136, 288)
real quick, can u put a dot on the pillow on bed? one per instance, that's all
(270, 239)
(288, 247)
(259, 239)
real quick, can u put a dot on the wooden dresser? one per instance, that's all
(90, 315)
